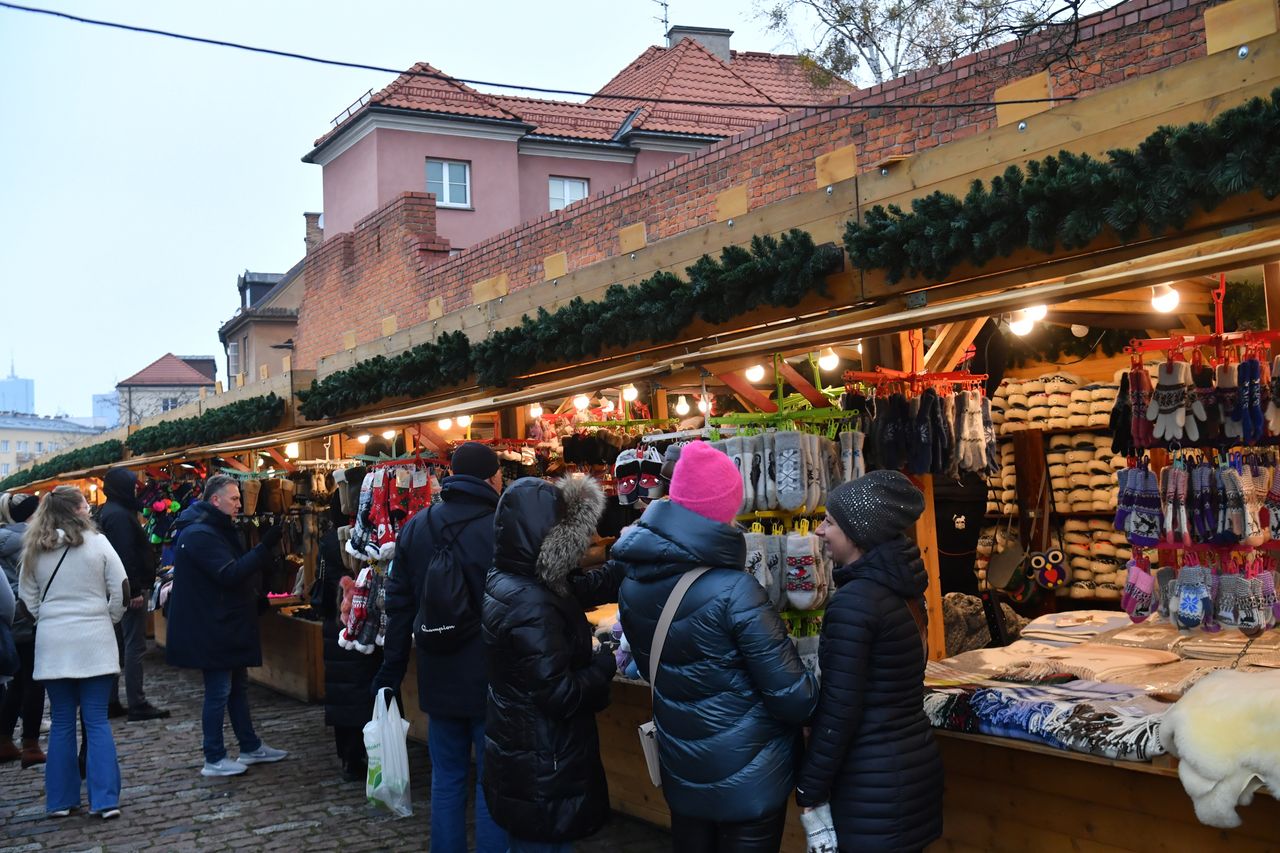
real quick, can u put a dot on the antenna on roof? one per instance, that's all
(666, 24)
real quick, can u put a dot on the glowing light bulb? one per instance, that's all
(828, 360)
(581, 402)
(535, 410)
(389, 434)
(1078, 330)
(464, 421)
(703, 405)
(859, 347)
(1036, 313)
(291, 450)
(1164, 298)
(629, 393)
(445, 423)
(608, 406)
(363, 438)
(755, 373)
(682, 406)
(1020, 324)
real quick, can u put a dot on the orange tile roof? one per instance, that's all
(785, 79)
(167, 370)
(559, 118)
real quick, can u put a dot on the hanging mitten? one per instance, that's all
(1144, 522)
(802, 580)
(1231, 510)
(792, 479)
(1204, 521)
(1271, 607)
(859, 458)
(973, 440)
(750, 471)
(767, 498)
(1167, 410)
(812, 469)
(1250, 381)
(920, 449)
(1232, 592)
(1273, 404)
(1271, 508)
(757, 559)
(733, 447)
(1120, 423)
(776, 559)
(846, 456)
(1193, 598)
(894, 433)
(1167, 590)
(1125, 497)
(989, 434)
(943, 439)
(831, 458)
(1139, 598)
(1228, 396)
(1140, 391)
(1253, 489)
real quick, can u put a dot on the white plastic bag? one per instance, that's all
(386, 742)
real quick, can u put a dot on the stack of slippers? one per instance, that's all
(1096, 558)
(1002, 486)
(1059, 387)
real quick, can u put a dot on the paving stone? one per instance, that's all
(299, 805)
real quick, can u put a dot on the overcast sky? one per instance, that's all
(139, 175)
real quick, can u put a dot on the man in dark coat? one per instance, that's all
(213, 620)
(731, 693)
(543, 780)
(451, 683)
(872, 756)
(118, 521)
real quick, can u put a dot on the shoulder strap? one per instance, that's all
(917, 615)
(460, 525)
(45, 594)
(668, 614)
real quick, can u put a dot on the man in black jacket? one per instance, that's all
(118, 520)
(452, 686)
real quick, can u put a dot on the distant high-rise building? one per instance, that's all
(17, 394)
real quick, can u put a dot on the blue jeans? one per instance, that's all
(226, 691)
(450, 740)
(62, 771)
(521, 846)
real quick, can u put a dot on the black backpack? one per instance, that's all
(448, 614)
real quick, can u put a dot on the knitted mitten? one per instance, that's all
(1270, 607)
(1205, 397)
(1250, 381)
(943, 439)
(1139, 597)
(1249, 611)
(750, 471)
(1193, 598)
(769, 474)
(1254, 482)
(1140, 392)
(759, 474)
(1203, 520)
(894, 428)
(1232, 591)
(813, 471)
(859, 459)
(776, 563)
(791, 476)
(1144, 523)
(920, 447)
(757, 559)
(1179, 528)
(1270, 515)
(846, 455)
(831, 468)
(989, 435)
(1120, 424)
(802, 583)
(373, 628)
(1193, 409)
(1273, 404)
(973, 440)
(1167, 409)
(1167, 589)
(1231, 511)
(1228, 396)
(1125, 497)
(733, 447)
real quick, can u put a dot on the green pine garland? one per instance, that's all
(777, 272)
(102, 453)
(1068, 200)
(245, 417)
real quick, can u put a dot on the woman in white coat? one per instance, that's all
(76, 589)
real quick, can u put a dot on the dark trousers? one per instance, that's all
(131, 640)
(697, 835)
(349, 743)
(226, 693)
(24, 697)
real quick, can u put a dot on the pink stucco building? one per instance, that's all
(494, 161)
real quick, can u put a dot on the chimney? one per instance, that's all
(315, 230)
(714, 40)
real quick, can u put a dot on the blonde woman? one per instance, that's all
(76, 589)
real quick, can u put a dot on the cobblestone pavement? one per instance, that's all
(299, 804)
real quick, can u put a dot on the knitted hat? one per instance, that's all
(474, 459)
(22, 507)
(707, 482)
(875, 508)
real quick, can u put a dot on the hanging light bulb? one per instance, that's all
(1020, 324)
(445, 423)
(629, 393)
(535, 410)
(363, 438)
(828, 360)
(703, 405)
(1036, 313)
(581, 402)
(755, 373)
(1164, 298)
(1078, 330)
(464, 421)
(682, 406)
(389, 434)
(291, 450)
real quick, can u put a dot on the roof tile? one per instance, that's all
(167, 370)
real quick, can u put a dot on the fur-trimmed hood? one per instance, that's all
(543, 529)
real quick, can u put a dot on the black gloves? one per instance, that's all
(271, 537)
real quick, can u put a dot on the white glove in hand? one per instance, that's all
(819, 829)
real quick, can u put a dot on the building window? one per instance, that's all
(565, 191)
(4, 446)
(39, 447)
(233, 358)
(4, 469)
(22, 447)
(168, 404)
(450, 181)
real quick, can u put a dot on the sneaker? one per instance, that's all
(59, 813)
(147, 711)
(107, 814)
(225, 767)
(115, 709)
(262, 755)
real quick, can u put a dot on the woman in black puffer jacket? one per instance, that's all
(543, 780)
(730, 693)
(871, 752)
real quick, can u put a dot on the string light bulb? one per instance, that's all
(828, 360)
(535, 410)
(389, 434)
(629, 393)
(1036, 313)
(703, 405)
(291, 450)
(464, 421)
(1164, 298)
(445, 423)
(1020, 324)
(682, 406)
(581, 402)
(363, 438)
(755, 373)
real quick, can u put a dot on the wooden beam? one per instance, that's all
(925, 534)
(949, 347)
(280, 460)
(745, 391)
(1193, 325)
(804, 386)
(235, 464)
(1271, 290)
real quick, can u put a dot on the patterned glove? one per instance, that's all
(819, 829)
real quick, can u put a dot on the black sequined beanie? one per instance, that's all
(876, 507)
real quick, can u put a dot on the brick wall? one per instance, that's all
(394, 264)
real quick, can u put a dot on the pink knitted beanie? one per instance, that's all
(707, 482)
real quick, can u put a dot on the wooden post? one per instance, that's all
(1271, 290)
(660, 404)
(926, 536)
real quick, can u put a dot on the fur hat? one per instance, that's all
(875, 508)
(583, 503)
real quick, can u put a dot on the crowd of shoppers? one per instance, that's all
(512, 684)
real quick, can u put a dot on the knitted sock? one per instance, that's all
(1228, 396)
(831, 468)
(859, 459)
(989, 434)
(802, 583)
(769, 474)
(846, 456)
(375, 612)
(1251, 397)
(792, 479)
(757, 559)
(920, 446)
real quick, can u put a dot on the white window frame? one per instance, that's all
(22, 447)
(168, 404)
(445, 197)
(4, 446)
(4, 469)
(233, 358)
(565, 181)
